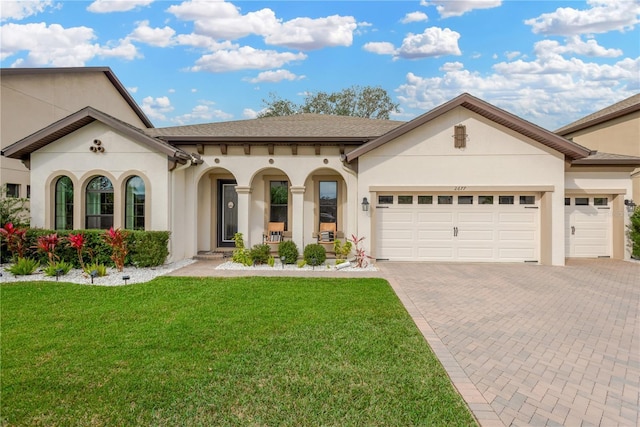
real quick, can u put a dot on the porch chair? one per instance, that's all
(274, 234)
(327, 235)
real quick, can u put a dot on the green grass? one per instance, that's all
(201, 351)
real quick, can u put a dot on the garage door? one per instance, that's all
(587, 226)
(444, 227)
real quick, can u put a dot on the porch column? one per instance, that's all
(297, 192)
(244, 202)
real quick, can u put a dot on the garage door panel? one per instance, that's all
(587, 230)
(468, 232)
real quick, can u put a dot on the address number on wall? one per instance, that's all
(459, 188)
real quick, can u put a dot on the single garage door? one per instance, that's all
(447, 227)
(588, 226)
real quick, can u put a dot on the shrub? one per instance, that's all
(24, 267)
(361, 256)
(634, 233)
(342, 250)
(148, 248)
(315, 254)
(100, 269)
(241, 254)
(47, 244)
(289, 250)
(76, 241)
(260, 254)
(15, 239)
(53, 268)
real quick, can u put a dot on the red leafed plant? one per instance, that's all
(361, 256)
(16, 239)
(48, 244)
(76, 241)
(117, 239)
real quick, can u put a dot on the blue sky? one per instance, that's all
(187, 62)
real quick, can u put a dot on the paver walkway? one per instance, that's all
(526, 345)
(543, 346)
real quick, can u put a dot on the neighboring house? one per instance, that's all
(615, 129)
(32, 98)
(466, 181)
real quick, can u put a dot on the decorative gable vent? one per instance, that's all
(460, 136)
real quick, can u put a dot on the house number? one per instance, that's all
(459, 188)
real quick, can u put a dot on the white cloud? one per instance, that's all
(512, 54)
(58, 46)
(275, 76)
(202, 113)
(381, 48)
(602, 16)
(415, 17)
(310, 34)
(244, 58)
(248, 113)
(433, 42)
(161, 37)
(203, 42)
(576, 45)
(17, 10)
(107, 6)
(156, 108)
(448, 8)
(133, 89)
(550, 90)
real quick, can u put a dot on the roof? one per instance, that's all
(619, 109)
(23, 148)
(297, 127)
(107, 72)
(597, 158)
(491, 112)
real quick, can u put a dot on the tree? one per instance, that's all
(368, 102)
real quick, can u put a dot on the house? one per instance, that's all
(36, 97)
(466, 181)
(614, 129)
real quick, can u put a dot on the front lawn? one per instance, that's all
(202, 351)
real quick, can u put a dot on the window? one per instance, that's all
(527, 200)
(134, 204)
(582, 201)
(64, 204)
(99, 208)
(460, 136)
(505, 200)
(601, 201)
(465, 200)
(445, 200)
(279, 202)
(28, 191)
(485, 200)
(13, 190)
(425, 200)
(385, 200)
(567, 201)
(329, 201)
(405, 200)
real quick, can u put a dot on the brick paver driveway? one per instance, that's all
(529, 344)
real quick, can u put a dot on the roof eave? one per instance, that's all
(179, 140)
(607, 117)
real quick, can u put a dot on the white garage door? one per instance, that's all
(440, 227)
(588, 226)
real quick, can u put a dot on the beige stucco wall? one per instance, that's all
(122, 158)
(494, 157)
(30, 102)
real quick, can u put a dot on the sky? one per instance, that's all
(189, 62)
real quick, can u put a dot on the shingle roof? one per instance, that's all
(597, 158)
(618, 109)
(107, 72)
(299, 127)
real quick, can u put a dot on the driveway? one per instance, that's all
(530, 344)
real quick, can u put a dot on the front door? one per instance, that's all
(227, 212)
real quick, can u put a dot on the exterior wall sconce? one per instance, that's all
(631, 206)
(365, 205)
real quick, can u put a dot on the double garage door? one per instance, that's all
(448, 227)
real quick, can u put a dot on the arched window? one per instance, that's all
(99, 212)
(64, 204)
(134, 204)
